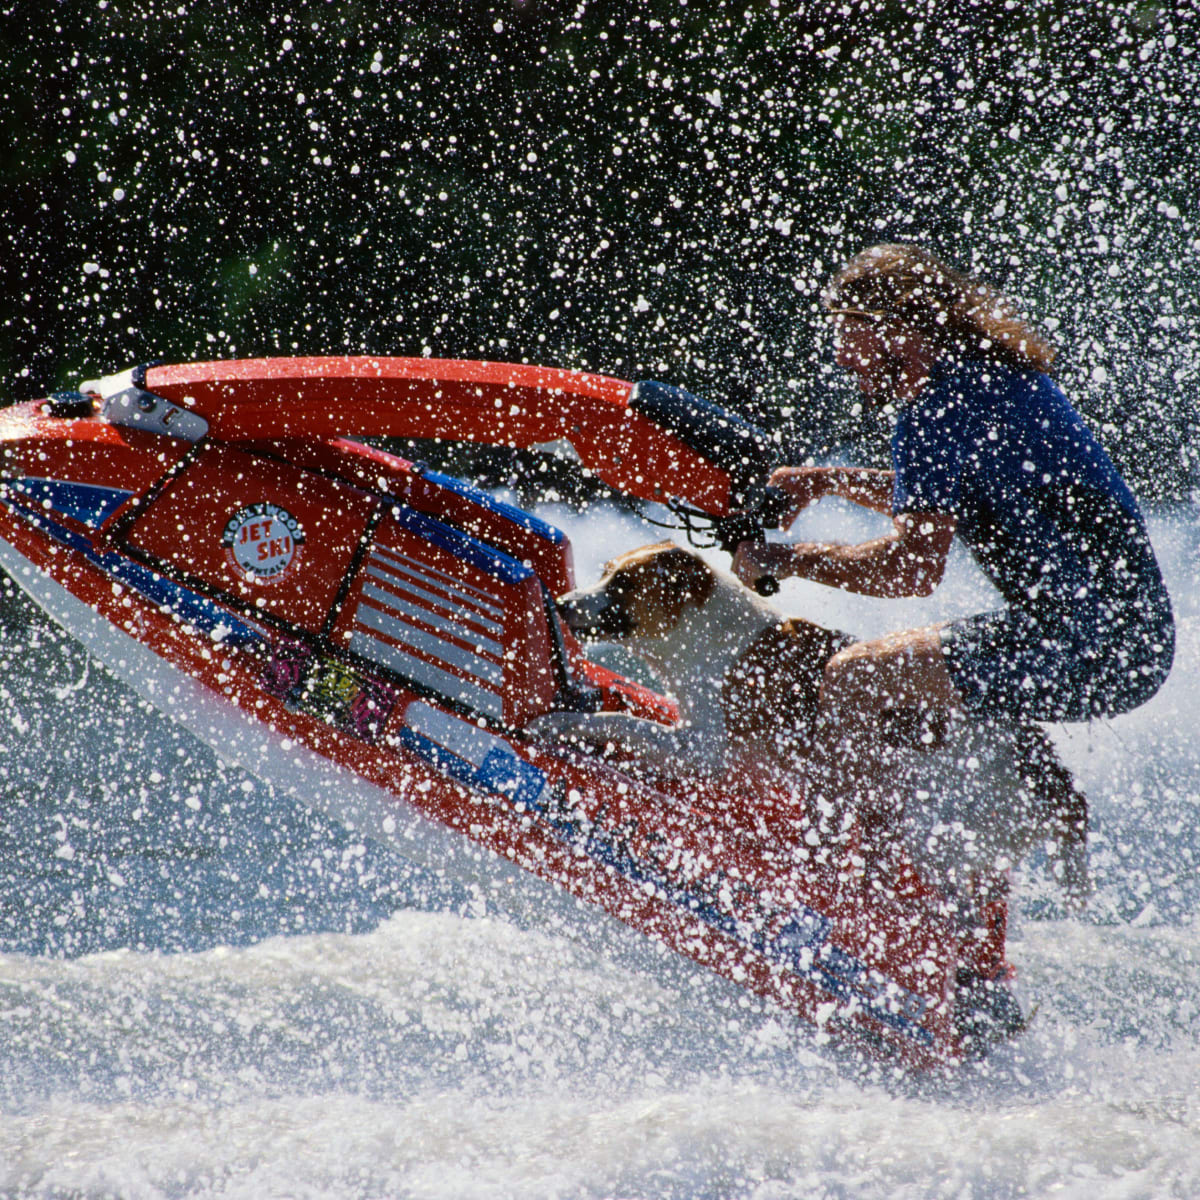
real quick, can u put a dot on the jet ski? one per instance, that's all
(374, 637)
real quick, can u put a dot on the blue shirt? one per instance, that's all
(1036, 498)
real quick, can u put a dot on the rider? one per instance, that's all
(986, 446)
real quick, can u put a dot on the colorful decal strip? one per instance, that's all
(481, 760)
(350, 701)
(424, 637)
(89, 506)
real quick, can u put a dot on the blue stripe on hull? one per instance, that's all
(91, 506)
(535, 525)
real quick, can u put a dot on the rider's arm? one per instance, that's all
(862, 485)
(910, 561)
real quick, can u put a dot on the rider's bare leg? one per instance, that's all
(865, 686)
(897, 671)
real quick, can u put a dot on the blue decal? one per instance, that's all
(183, 603)
(85, 502)
(450, 764)
(803, 943)
(488, 559)
(804, 930)
(517, 516)
(501, 772)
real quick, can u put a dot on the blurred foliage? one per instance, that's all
(639, 187)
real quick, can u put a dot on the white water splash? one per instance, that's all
(441, 1055)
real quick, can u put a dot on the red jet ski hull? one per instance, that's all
(373, 637)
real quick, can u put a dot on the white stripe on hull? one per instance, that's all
(385, 559)
(421, 642)
(445, 683)
(378, 586)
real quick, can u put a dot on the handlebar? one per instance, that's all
(751, 525)
(764, 511)
(746, 453)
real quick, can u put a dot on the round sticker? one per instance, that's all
(263, 541)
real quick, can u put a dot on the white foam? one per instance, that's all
(444, 1056)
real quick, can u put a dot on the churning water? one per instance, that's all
(206, 991)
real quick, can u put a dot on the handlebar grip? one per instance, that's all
(766, 585)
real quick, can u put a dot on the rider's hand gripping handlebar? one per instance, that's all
(750, 525)
(741, 449)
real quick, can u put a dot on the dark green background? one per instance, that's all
(645, 188)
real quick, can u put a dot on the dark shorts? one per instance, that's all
(1039, 666)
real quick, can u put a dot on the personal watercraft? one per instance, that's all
(374, 637)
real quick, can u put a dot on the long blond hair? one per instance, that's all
(957, 313)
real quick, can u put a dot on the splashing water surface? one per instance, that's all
(209, 992)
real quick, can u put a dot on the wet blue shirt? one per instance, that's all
(1035, 495)
(1047, 517)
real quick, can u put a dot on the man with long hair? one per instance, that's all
(985, 447)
